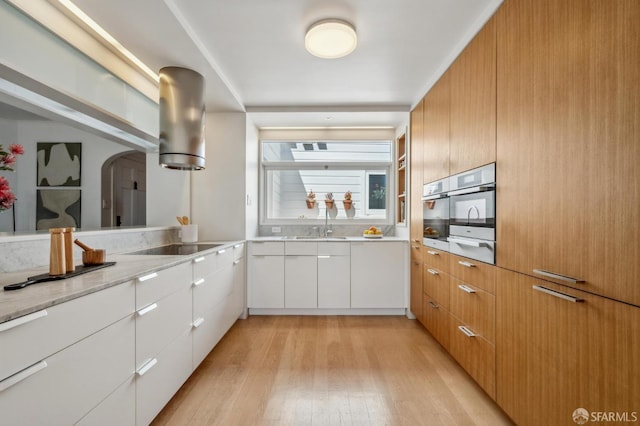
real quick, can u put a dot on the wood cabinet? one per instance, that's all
(415, 218)
(436, 132)
(472, 78)
(568, 124)
(377, 275)
(435, 284)
(563, 349)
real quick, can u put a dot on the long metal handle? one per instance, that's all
(467, 264)
(433, 271)
(472, 190)
(147, 277)
(197, 323)
(222, 251)
(148, 366)
(235, 262)
(433, 305)
(147, 309)
(466, 331)
(22, 320)
(237, 246)
(21, 375)
(322, 256)
(198, 259)
(557, 294)
(433, 253)
(465, 242)
(199, 282)
(466, 289)
(558, 276)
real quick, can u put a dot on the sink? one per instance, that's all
(311, 237)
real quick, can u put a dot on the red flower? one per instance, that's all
(9, 160)
(16, 149)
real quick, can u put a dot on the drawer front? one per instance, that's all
(437, 259)
(482, 275)
(29, 339)
(474, 354)
(213, 326)
(225, 257)
(302, 248)
(159, 325)
(436, 284)
(436, 320)
(118, 409)
(266, 248)
(475, 307)
(63, 388)
(205, 265)
(211, 291)
(158, 381)
(334, 249)
(416, 249)
(238, 251)
(155, 286)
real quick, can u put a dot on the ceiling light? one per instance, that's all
(330, 39)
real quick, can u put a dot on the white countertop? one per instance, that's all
(16, 303)
(331, 239)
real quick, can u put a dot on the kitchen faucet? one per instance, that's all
(327, 231)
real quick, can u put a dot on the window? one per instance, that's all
(291, 170)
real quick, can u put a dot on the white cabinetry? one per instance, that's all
(266, 275)
(334, 275)
(300, 275)
(377, 275)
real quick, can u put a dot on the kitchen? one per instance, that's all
(546, 92)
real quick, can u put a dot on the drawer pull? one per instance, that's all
(433, 253)
(197, 323)
(434, 305)
(433, 272)
(198, 259)
(466, 289)
(558, 276)
(557, 294)
(470, 243)
(416, 263)
(467, 264)
(415, 240)
(147, 309)
(199, 282)
(222, 251)
(466, 331)
(237, 246)
(235, 262)
(147, 277)
(21, 375)
(416, 247)
(148, 366)
(324, 257)
(22, 320)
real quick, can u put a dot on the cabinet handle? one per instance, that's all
(466, 289)
(416, 263)
(222, 251)
(472, 190)
(558, 276)
(199, 282)
(433, 272)
(148, 366)
(198, 259)
(324, 257)
(235, 262)
(147, 309)
(433, 253)
(434, 305)
(237, 246)
(467, 264)
(415, 240)
(557, 294)
(416, 247)
(469, 243)
(147, 277)
(197, 323)
(21, 375)
(22, 320)
(466, 331)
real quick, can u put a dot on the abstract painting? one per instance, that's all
(57, 208)
(59, 163)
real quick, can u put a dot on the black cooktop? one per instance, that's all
(177, 249)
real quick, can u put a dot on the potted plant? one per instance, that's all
(311, 199)
(347, 200)
(328, 200)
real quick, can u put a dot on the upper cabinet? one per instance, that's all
(568, 125)
(436, 130)
(473, 103)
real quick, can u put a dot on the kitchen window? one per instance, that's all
(291, 170)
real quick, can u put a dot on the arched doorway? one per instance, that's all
(124, 190)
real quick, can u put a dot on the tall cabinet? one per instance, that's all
(415, 225)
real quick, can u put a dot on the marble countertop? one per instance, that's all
(16, 303)
(330, 239)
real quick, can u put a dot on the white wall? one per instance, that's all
(218, 192)
(251, 173)
(167, 193)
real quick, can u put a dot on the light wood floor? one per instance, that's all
(290, 370)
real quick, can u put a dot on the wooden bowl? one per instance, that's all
(94, 257)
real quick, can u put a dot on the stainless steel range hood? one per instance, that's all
(182, 119)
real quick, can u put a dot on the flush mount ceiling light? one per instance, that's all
(331, 39)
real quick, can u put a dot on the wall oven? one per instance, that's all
(472, 213)
(435, 214)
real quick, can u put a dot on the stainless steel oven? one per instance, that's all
(435, 214)
(472, 213)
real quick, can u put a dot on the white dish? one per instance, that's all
(372, 235)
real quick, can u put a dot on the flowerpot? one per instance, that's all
(310, 203)
(347, 204)
(329, 204)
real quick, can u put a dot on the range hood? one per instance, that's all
(182, 119)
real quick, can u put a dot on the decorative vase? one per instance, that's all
(329, 204)
(310, 203)
(347, 204)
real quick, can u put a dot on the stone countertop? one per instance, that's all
(330, 239)
(17, 303)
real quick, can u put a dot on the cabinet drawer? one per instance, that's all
(155, 286)
(334, 249)
(118, 409)
(266, 248)
(482, 275)
(475, 354)
(210, 291)
(160, 379)
(29, 339)
(301, 248)
(436, 284)
(266, 282)
(436, 320)
(437, 259)
(63, 388)
(238, 251)
(204, 265)
(416, 250)
(160, 323)
(475, 307)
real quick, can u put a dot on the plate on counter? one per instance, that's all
(372, 235)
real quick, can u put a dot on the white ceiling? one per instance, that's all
(252, 54)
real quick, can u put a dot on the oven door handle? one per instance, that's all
(465, 242)
(481, 188)
(433, 197)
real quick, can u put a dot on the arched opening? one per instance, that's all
(124, 190)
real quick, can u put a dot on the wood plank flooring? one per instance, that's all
(329, 370)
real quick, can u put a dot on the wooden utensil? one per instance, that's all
(91, 256)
